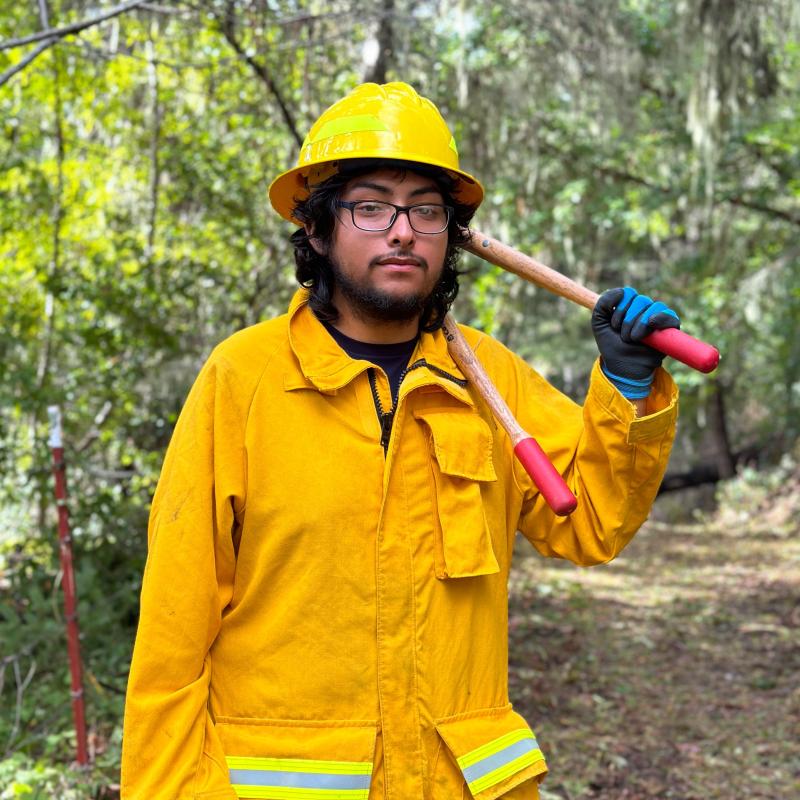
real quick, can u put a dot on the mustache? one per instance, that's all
(401, 255)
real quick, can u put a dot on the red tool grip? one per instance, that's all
(545, 476)
(684, 348)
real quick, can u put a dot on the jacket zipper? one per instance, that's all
(386, 418)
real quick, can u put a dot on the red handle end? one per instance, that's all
(684, 348)
(545, 476)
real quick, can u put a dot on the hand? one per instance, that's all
(620, 320)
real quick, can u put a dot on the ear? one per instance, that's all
(313, 241)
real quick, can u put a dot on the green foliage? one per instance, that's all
(621, 141)
(23, 778)
(768, 500)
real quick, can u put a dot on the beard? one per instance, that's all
(371, 303)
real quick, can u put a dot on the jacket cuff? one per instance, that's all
(662, 403)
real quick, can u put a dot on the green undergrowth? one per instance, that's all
(28, 778)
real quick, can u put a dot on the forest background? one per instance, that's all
(638, 142)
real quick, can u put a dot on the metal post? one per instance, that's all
(68, 582)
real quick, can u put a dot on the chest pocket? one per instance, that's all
(461, 460)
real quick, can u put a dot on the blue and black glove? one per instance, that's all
(620, 320)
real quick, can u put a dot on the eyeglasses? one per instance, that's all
(376, 215)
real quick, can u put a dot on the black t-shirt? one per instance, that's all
(391, 358)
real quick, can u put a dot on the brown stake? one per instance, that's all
(68, 584)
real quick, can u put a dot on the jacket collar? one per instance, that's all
(323, 365)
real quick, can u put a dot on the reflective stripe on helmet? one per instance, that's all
(336, 127)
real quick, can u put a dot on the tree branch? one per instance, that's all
(734, 200)
(100, 419)
(155, 165)
(53, 34)
(708, 472)
(50, 36)
(6, 76)
(166, 10)
(227, 28)
(763, 209)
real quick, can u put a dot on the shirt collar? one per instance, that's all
(325, 366)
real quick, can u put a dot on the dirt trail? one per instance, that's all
(673, 672)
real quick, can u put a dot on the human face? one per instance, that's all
(385, 277)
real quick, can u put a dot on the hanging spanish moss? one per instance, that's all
(730, 66)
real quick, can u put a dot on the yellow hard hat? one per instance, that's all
(385, 122)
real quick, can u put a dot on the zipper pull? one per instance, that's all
(386, 428)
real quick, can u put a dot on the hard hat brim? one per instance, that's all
(290, 187)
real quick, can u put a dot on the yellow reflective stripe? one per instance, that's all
(300, 765)
(491, 778)
(287, 793)
(354, 124)
(490, 748)
(452, 145)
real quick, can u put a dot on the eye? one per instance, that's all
(370, 208)
(428, 212)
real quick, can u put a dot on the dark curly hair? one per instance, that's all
(314, 271)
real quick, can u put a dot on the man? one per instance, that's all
(324, 606)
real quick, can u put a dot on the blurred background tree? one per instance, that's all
(646, 142)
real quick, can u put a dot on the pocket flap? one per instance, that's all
(462, 442)
(462, 446)
(302, 760)
(494, 751)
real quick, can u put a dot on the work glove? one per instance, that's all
(620, 320)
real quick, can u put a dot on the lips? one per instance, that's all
(402, 261)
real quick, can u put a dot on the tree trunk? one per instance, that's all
(718, 427)
(385, 45)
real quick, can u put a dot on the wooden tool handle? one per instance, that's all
(528, 267)
(672, 342)
(526, 448)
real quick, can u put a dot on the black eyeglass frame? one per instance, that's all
(350, 205)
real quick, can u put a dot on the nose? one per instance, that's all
(401, 232)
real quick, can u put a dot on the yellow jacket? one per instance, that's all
(323, 621)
